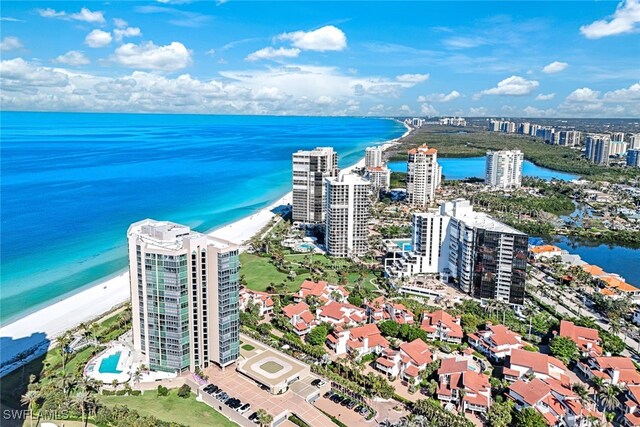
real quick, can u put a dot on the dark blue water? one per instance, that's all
(72, 183)
(611, 258)
(468, 167)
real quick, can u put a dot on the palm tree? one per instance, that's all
(63, 341)
(264, 418)
(83, 400)
(137, 376)
(609, 397)
(582, 392)
(29, 399)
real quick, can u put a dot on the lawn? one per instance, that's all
(259, 273)
(248, 347)
(171, 408)
(271, 367)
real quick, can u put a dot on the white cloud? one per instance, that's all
(583, 95)
(10, 19)
(17, 75)
(98, 38)
(412, 78)
(120, 23)
(545, 97)
(85, 15)
(440, 97)
(428, 110)
(464, 42)
(624, 20)
(270, 53)
(119, 34)
(321, 40)
(148, 56)
(587, 102)
(478, 112)
(512, 86)
(555, 67)
(630, 94)
(10, 43)
(536, 112)
(73, 57)
(406, 109)
(210, 52)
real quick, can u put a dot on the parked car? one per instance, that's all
(357, 408)
(346, 401)
(351, 404)
(328, 395)
(222, 396)
(253, 416)
(337, 398)
(244, 408)
(364, 411)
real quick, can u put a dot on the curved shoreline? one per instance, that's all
(30, 333)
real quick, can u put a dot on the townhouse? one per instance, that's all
(358, 341)
(300, 317)
(440, 325)
(407, 362)
(496, 342)
(522, 363)
(544, 252)
(462, 387)
(322, 290)
(339, 313)
(587, 339)
(375, 309)
(612, 370)
(631, 406)
(398, 313)
(261, 299)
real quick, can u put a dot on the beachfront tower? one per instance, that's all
(310, 169)
(423, 175)
(373, 157)
(184, 296)
(504, 169)
(346, 225)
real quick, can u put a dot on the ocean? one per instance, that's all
(71, 184)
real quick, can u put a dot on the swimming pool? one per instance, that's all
(307, 246)
(109, 364)
(404, 244)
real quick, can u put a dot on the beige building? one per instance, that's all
(373, 157)
(504, 169)
(184, 296)
(348, 205)
(310, 169)
(380, 178)
(423, 175)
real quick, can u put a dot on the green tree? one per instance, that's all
(318, 335)
(470, 322)
(564, 349)
(29, 399)
(264, 418)
(264, 328)
(499, 414)
(528, 417)
(389, 328)
(184, 391)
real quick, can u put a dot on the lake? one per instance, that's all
(467, 167)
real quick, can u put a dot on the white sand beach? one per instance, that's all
(30, 332)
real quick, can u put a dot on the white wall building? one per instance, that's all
(423, 175)
(504, 169)
(634, 141)
(348, 201)
(569, 138)
(379, 177)
(310, 168)
(373, 157)
(597, 148)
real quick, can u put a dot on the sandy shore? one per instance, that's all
(37, 331)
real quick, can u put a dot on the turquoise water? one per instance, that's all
(109, 365)
(468, 167)
(72, 183)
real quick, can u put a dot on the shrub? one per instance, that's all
(184, 391)
(135, 393)
(121, 392)
(162, 391)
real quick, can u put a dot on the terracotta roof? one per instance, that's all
(545, 248)
(385, 362)
(537, 362)
(634, 418)
(478, 399)
(618, 284)
(412, 371)
(594, 270)
(531, 392)
(475, 381)
(501, 335)
(418, 351)
(423, 149)
(332, 310)
(430, 320)
(295, 309)
(634, 390)
(582, 336)
(377, 169)
(615, 362)
(453, 365)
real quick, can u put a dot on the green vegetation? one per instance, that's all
(171, 408)
(297, 420)
(564, 349)
(259, 274)
(476, 143)
(318, 335)
(437, 415)
(528, 417)
(521, 203)
(398, 179)
(395, 231)
(248, 347)
(499, 414)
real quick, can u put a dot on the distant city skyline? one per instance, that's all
(509, 59)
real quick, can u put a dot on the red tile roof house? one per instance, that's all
(262, 299)
(338, 313)
(631, 406)
(587, 339)
(358, 341)
(612, 370)
(399, 313)
(522, 363)
(412, 358)
(555, 401)
(300, 317)
(496, 342)
(324, 291)
(460, 386)
(375, 309)
(440, 325)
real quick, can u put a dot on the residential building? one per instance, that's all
(300, 317)
(634, 141)
(569, 138)
(337, 313)
(544, 252)
(348, 200)
(373, 157)
(375, 309)
(523, 128)
(423, 175)
(597, 148)
(546, 133)
(323, 291)
(441, 326)
(310, 169)
(463, 387)
(379, 177)
(496, 342)
(522, 363)
(412, 358)
(533, 130)
(504, 169)
(453, 121)
(261, 299)
(617, 137)
(631, 406)
(617, 148)
(487, 259)
(359, 341)
(587, 339)
(398, 313)
(613, 370)
(184, 297)
(633, 158)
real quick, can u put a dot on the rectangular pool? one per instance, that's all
(109, 365)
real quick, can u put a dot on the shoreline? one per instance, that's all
(35, 333)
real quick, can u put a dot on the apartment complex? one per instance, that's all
(310, 169)
(428, 233)
(569, 138)
(597, 148)
(348, 200)
(423, 175)
(633, 158)
(379, 177)
(373, 157)
(504, 169)
(184, 296)
(634, 141)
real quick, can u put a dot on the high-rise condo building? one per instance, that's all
(617, 148)
(617, 136)
(379, 177)
(310, 169)
(533, 130)
(487, 258)
(633, 158)
(346, 225)
(428, 233)
(547, 134)
(504, 169)
(597, 148)
(373, 157)
(634, 141)
(184, 296)
(569, 138)
(523, 128)
(423, 175)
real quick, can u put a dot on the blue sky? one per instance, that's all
(531, 59)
